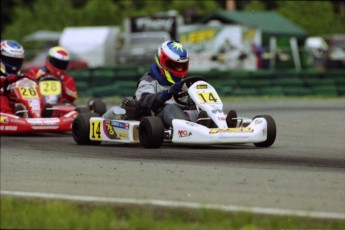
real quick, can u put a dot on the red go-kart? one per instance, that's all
(51, 90)
(29, 112)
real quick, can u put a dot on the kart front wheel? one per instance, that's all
(151, 132)
(271, 132)
(81, 129)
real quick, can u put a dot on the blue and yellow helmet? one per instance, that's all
(172, 60)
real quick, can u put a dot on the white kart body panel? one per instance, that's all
(206, 98)
(186, 132)
(114, 130)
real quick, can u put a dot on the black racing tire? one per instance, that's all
(81, 129)
(271, 132)
(82, 109)
(47, 111)
(151, 132)
(231, 119)
(97, 105)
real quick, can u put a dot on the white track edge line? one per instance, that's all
(179, 204)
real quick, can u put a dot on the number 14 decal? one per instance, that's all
(95, 130)
(207, 97)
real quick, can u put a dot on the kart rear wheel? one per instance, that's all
(97, 105)
(151, 132)
(271, 132)
(82, 109)
(231, 119)
(81, 129)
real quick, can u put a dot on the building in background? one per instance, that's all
(280, 38)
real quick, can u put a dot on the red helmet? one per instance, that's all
(173, 61)
(57, 60)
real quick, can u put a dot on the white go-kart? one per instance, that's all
(213, 127)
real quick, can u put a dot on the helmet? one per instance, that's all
(57, 60)
(12, 56)
(172, 60)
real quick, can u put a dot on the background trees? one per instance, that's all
(22, 17)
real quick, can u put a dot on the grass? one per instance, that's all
(22, 213)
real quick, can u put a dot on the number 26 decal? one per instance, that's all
(28, 92)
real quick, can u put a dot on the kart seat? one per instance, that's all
(20, 110)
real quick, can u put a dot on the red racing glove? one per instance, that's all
(12, 78)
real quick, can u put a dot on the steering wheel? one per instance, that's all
(48, 77)
(188, 81)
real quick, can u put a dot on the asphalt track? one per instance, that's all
(303, 171)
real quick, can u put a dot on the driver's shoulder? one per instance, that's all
(147, 77)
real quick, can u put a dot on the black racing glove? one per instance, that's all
(173, 90)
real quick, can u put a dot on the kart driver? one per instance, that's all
(156, 88)
(56, 63)
(12, 57)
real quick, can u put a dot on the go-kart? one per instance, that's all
(28, 104)
(150, 132)
(51, 90)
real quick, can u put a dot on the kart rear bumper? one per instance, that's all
(11, 124)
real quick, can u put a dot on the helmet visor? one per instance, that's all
(177, 66)
(60, 64)
(12, 61)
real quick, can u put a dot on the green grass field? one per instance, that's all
(22, 213)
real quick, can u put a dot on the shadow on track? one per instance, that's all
(226, 154)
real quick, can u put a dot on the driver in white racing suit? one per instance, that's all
(156, 88)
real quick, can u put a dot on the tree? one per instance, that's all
(96, 13)
(317, 17)
(255, 6)
(21, 17)
(31, 15)
(6, 12)
(41, 15)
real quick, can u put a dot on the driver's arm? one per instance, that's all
(148, 97)
(69, 88)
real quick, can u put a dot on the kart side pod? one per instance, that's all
(260, 132)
